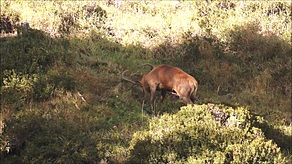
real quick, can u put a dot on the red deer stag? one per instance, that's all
(166, 79)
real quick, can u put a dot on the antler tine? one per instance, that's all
(127, 79)
(148, 64)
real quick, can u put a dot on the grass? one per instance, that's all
(238, 51)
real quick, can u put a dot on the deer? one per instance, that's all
(167, 79)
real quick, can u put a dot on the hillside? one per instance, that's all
(63, 99)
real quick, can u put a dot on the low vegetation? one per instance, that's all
(194, 136)
(63, 99)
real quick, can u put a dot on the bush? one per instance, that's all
(25, 63)
(206, 133)
(57, 136)
(27, 53)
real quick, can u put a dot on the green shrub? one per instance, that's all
(56, 136)
(25, 62)
(27, 53)
(17, 88)
(193, 134)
